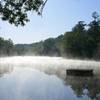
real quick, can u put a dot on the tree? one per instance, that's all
(6, 47)
(95, 15)
(82, 42)
(94, 27)
(94, 34)
(50, 47)
(73, 42)
(15, 11)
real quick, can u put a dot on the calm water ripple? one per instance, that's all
(44, 78)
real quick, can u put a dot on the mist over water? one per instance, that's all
(44, 78)
(51, 65)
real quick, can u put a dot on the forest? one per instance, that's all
(83, 41)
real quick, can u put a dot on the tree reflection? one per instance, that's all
(82, 86)
(5, 69)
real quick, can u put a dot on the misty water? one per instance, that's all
(44, 78)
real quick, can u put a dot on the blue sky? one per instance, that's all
(59, 16)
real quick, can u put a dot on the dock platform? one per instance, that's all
(79, 72)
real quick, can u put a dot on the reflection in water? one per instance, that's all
(44, 78)
(30, 84)
(82, 86)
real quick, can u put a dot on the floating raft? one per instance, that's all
(79, 72)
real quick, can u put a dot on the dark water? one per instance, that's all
(27, 83)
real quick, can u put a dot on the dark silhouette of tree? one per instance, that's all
(15, 11)
(49, 47)
(81, 41)
(84, 86)
(74, 41)
(6, 47)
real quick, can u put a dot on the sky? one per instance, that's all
(58, 17)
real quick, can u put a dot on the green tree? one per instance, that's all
(49, 47)
(58, 44)
(94, 34)
(6, 47)
(15, 11)
(94, 27)
(81, 42)
(73, 42)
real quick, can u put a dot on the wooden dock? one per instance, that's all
(79, 72)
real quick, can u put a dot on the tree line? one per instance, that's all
(6, 47)
(83, 41)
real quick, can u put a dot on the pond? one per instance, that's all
(44, 78)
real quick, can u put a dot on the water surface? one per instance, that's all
(44, 78)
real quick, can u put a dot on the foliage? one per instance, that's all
(6, 47)
(15, 11)
(84, 39)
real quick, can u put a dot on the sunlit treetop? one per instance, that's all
(15, 11)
